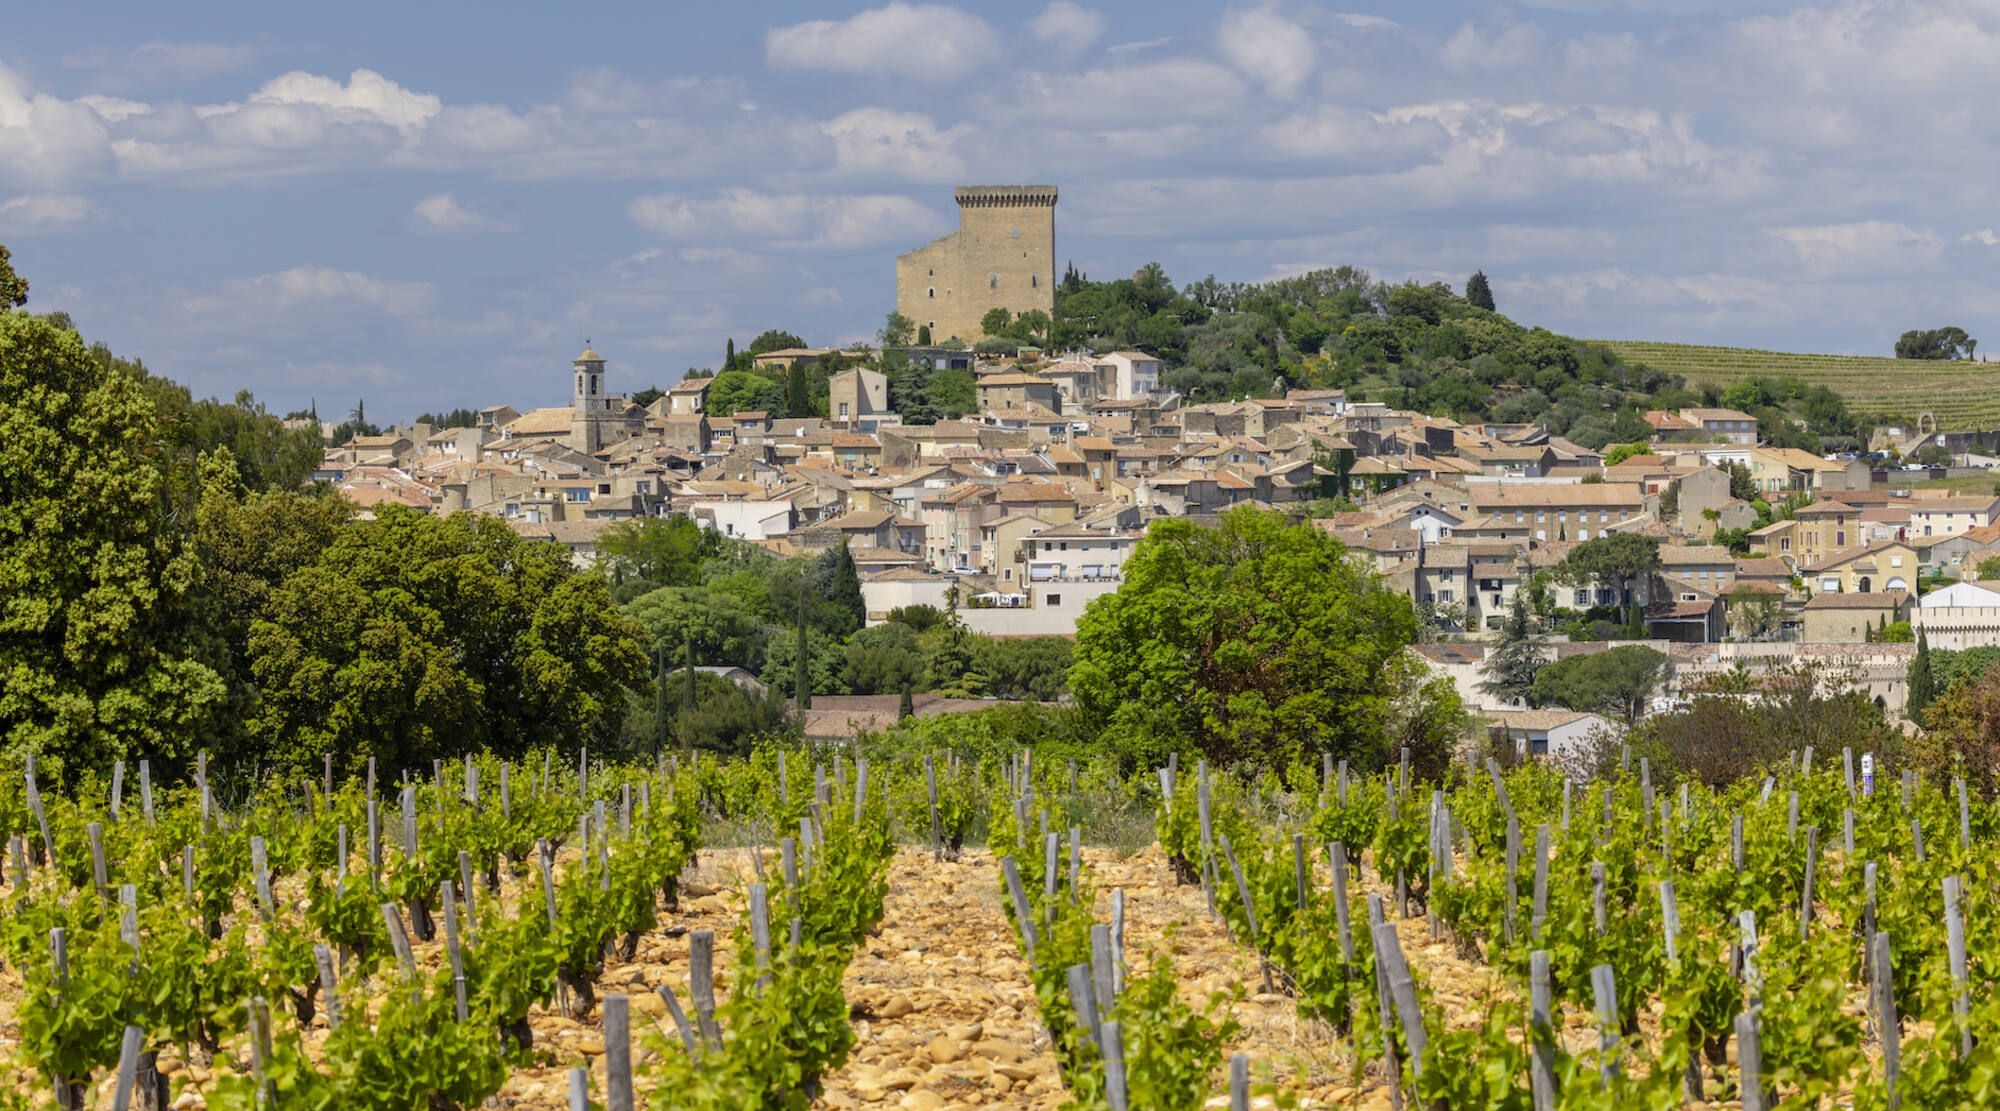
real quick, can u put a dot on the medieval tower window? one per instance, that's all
(992, 281)
(1034, 281)
(1013, 233)
(933, 293)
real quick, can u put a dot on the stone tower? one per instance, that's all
(590, 409)
(1003, 255)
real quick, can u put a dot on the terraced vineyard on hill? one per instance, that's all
(1963, 395)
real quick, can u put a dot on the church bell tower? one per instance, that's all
(588, 403)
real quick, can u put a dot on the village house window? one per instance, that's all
(1055, 599)
(1444, 596)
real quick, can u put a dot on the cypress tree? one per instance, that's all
(1923, 684)
(798, 392)
(843, 587)
(801, 686)
(729, 355)
(1511, 665)
(923, 335)
(1478, 291)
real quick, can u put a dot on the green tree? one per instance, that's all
(451, 418)
(1251, 637)
(743, 391)
(798, 391)
(953, 393)
(13, 287)
(1923, 683)
(897, 331)
(883, 659)
(413, 637)
(1028, 668)
(1949, 342)
(1742, 485)
(1621, 452)
(729, 355)
(1515, 659)
(95, 579)
(650, 552)
(714, 627)
(1478, 292)
(774, 340)
(1613, 560)
(1989, 569)
(843, 588)
(923, 335)
(997, 323)
(1618, 681)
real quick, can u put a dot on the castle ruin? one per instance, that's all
(1003, 255)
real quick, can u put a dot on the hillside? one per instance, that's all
(1963, 395)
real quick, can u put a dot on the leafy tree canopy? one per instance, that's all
(95, 588)
(774, 340)
(1949, 342)
(413, 637)
(1619, 682)
(13, 287)
(1249, 638)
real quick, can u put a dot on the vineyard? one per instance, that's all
(557, 934)
(1964, 395)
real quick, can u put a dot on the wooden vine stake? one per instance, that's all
(1403, 989)
(1541, 1027)
(1750, 1056)
(579, 1089)
(1954, 935)
(128, 1068)
(617, 1053)
(1385, 1007)
(1249, 910)
(1888, 1028)
(1112, 1040)
(1604, 993)
(701, 985)
(1239, 1082)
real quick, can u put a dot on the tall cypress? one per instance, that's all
(729, 356)
(1923, 684)
(801, 686)
(1478, 291)
(798, 391)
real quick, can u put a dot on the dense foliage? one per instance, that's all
(1252, 638)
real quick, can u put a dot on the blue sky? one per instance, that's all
(432, 205)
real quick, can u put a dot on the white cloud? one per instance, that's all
(45, 141)
(308, 295)
(1068, 26)
(366, 95)
(1155, 94)
(43, 213)
(165, 61)
(928, 41)
(1984, 237)
(1362, 21)
(1351, 136)
(1513, 46)
(1861, 247)
(1266, 47)
(889, 143)
(786, 220)
(1138, 46)
(444, 213)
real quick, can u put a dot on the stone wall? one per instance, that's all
(1002, 256)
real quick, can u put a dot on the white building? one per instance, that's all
(1960, 616)
(742, 518)
(1550, 733)
(1133, 374)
